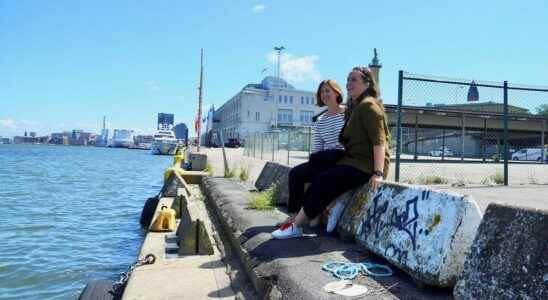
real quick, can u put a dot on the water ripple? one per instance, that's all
(70, 215)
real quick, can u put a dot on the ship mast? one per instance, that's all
(199, 127)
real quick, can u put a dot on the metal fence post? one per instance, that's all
(398, 128)
(505, 148)
(542, 151)
(463, 136)
(288, 144)
(416, 156)
(262, 145)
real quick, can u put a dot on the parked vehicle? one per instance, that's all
(438, 151)
(233, 143)
(530, 154)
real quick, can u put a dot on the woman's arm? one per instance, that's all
(317, 145)
(378, 162)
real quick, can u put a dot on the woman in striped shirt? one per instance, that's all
(326, 137)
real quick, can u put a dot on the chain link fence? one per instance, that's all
(456, 131)
(446, 131)
(290, 146)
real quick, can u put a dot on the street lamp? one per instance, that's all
(279, 49)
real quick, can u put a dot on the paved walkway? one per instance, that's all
(174, 277)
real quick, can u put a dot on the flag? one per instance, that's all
(197, 123)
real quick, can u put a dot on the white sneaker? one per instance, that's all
(287, 231)
(334, 215)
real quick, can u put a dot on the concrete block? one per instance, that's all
(198, 161)
(423, 232)
(266, 178)
(278, 174)
(170, 187)
(282, 182)
(509, 256)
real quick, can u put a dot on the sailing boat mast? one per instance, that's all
(199, 127)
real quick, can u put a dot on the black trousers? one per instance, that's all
(328, 181)
(305, 172)
(328, 185)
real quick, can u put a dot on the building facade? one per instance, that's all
(166, 120)
(272, 105)
(181, 132)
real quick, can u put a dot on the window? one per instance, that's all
(306, 116)
(302, 100)
(257, 116)
(280, 98)
(248, 114)
(290, 99)
(285, 99)
(285, 116)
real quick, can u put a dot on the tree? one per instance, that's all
(543, 110)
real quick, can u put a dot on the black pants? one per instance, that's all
(328, 181)
(328, 185)
(305, 172)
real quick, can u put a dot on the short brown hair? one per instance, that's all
(334, 86)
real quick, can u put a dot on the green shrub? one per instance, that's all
(498, 178)
(244, 174)
(230, 173)
(209, 169)
(265, 200)
(432, 179)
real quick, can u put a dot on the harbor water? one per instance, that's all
(69, 215)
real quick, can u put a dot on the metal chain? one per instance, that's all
(119, 285)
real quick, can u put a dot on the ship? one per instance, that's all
(164, 141)
(122, 138)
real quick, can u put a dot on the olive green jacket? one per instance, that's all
(367, 126)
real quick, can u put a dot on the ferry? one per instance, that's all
(122, 138)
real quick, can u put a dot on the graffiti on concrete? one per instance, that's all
(393, 251)
(379, 218)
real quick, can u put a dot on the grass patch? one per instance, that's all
(432, 179)
(244, 174)
(209, 169)
(265, 200)
(498, 178)
(230, 173)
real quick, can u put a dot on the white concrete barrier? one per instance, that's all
(424, 232)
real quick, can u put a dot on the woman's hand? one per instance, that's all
(374, 182)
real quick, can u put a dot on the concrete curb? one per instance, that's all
(291, 269)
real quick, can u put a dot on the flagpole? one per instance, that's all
(200, 97)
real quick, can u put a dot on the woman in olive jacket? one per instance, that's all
(365, 137)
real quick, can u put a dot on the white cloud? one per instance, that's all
(7, 123)
(296, 69)
(10, 126)
(152, 85)
(258, 8)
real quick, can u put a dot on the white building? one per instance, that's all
(271, 105)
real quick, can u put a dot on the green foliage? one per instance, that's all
(244, 174)
(498, 178)
(230, 173)
(432, 179)
(209, 169)
(265, 200)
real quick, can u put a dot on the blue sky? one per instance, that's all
(65, 64)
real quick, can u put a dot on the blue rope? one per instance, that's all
(349, 271)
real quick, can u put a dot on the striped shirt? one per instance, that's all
(326, 132)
